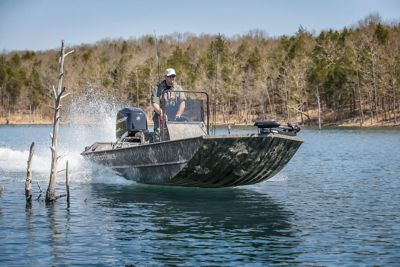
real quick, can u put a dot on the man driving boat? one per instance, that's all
(175, 99)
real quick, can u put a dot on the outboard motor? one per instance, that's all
(131, 125)
(267, 127)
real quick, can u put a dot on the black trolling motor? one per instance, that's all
(267, 127)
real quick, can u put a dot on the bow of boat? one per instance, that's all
(237, 160)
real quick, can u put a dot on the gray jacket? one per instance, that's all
(173, 94)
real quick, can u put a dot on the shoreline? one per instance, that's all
(222, 124)
(347, 123)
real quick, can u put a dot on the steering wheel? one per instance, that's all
(182, 119)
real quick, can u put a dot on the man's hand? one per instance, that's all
(157, 109)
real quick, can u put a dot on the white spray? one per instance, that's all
(90, 118)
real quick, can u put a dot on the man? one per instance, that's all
(174, 99)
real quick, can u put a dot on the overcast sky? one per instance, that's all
(42, 24)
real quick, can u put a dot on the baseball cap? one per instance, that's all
(169, 72)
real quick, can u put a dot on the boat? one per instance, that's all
(185, 153)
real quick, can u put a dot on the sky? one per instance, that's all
(42, 24)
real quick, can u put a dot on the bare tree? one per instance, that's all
(28, 180)
(67, 182)
(58, 94)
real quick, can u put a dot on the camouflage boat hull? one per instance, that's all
(204, 161)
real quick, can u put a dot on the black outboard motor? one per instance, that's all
(267, 127)
(131, 125)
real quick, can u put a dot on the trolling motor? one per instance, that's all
(267, 127)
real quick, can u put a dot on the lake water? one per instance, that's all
(336, 203)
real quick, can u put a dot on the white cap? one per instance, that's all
(169, 72)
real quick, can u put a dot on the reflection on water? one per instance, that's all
(182, 225)
(148, 225)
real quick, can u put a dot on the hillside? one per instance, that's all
(352, 75)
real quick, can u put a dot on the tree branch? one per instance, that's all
(70, 52)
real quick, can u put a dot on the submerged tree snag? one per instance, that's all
(57, 94)
(67, 181)
(28, 180)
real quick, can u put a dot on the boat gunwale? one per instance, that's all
(203, 137)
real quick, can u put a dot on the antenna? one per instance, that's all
(158, 58)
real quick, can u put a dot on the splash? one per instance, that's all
(95, 110)
(15, 161)
(103, 175)
(264, 185)
(279, 178)
(91, 118)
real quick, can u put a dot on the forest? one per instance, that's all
(348, 76)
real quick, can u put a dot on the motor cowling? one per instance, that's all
(129, 122)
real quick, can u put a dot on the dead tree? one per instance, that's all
(58, 94)
(319, 109)
(28, 180)
(67, 181)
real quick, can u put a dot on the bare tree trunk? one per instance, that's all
(394, 102)
(229, 103)
(287, 102)
(230, 95)
(375, 94)
(2, 95)
(371, 107)
(225, 112)
(67, 181)
(360, 99)
(246, 111)
(268, 97)
(58, 94)
(319, 109)
(28, 180)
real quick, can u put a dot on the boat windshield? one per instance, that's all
(194, 105)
